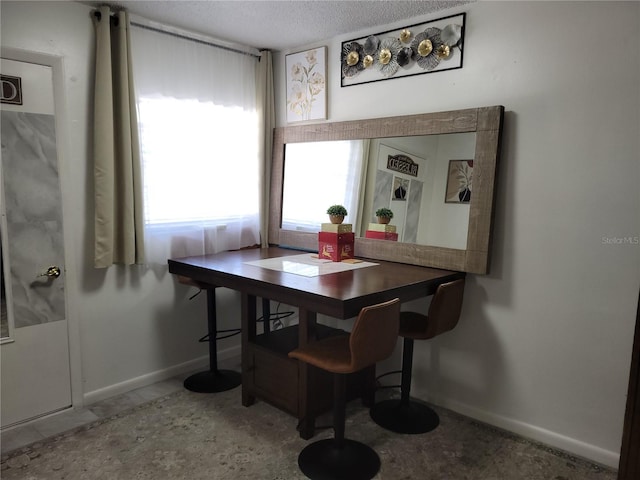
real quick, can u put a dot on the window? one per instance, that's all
(192, 174)
(199, 144)
(337, 171)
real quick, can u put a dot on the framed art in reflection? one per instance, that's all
(459, 181)
(306, 76)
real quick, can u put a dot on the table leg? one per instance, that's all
(248, 314)
(306, 332)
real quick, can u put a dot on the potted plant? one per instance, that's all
(384, 215)
(337, 213)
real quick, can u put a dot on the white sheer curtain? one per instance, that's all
(318, 175)
(199, 141)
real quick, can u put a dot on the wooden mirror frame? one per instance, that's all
(486, 122)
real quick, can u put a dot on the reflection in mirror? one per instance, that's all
(416, 195)
(336, 169)
(455, 154)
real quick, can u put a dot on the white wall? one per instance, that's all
(131, 326)
(544, 343)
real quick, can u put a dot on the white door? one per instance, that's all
(34, 351)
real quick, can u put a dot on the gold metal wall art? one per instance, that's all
(429, 47)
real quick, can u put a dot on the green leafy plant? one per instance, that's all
(338, 210)
(384, 213)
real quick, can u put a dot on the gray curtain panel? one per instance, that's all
(117, 171)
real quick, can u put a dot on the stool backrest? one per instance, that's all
(374, 334)
(445, 308)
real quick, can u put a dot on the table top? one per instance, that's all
(339, 295)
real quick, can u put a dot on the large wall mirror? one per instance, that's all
(435, 171)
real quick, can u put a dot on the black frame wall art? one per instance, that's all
(459, 181)
(429, 47)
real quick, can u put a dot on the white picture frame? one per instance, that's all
(306, 77)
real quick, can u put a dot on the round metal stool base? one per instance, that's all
(411, 417)
(322, 460)
(212, 382)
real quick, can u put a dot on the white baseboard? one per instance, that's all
(547, 437)
(157, 376)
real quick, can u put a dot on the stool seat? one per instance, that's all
(415, 325)
(331, 354)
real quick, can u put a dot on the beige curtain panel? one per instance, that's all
(117, 171)
(267, 118)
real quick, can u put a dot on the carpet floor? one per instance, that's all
(187, 435)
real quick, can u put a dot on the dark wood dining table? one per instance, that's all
(267, 372)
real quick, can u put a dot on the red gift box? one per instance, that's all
(381, 235)
(335, 246)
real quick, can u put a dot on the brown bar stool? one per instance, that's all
(405, 415)
(371, 340)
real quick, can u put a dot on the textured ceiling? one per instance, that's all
(280, 25)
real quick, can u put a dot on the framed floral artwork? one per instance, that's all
(459, 181)
(306, 74)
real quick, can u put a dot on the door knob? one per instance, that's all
(52, 271)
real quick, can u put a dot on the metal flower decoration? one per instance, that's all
(405, 55)
(451, 35)
(419, 48)
(352, 59)
(368, 61)
(425, 48)
(387, 61)
(371, 45)
(443, 52)
(405, 35)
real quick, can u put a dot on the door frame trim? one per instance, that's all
(61, 124)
